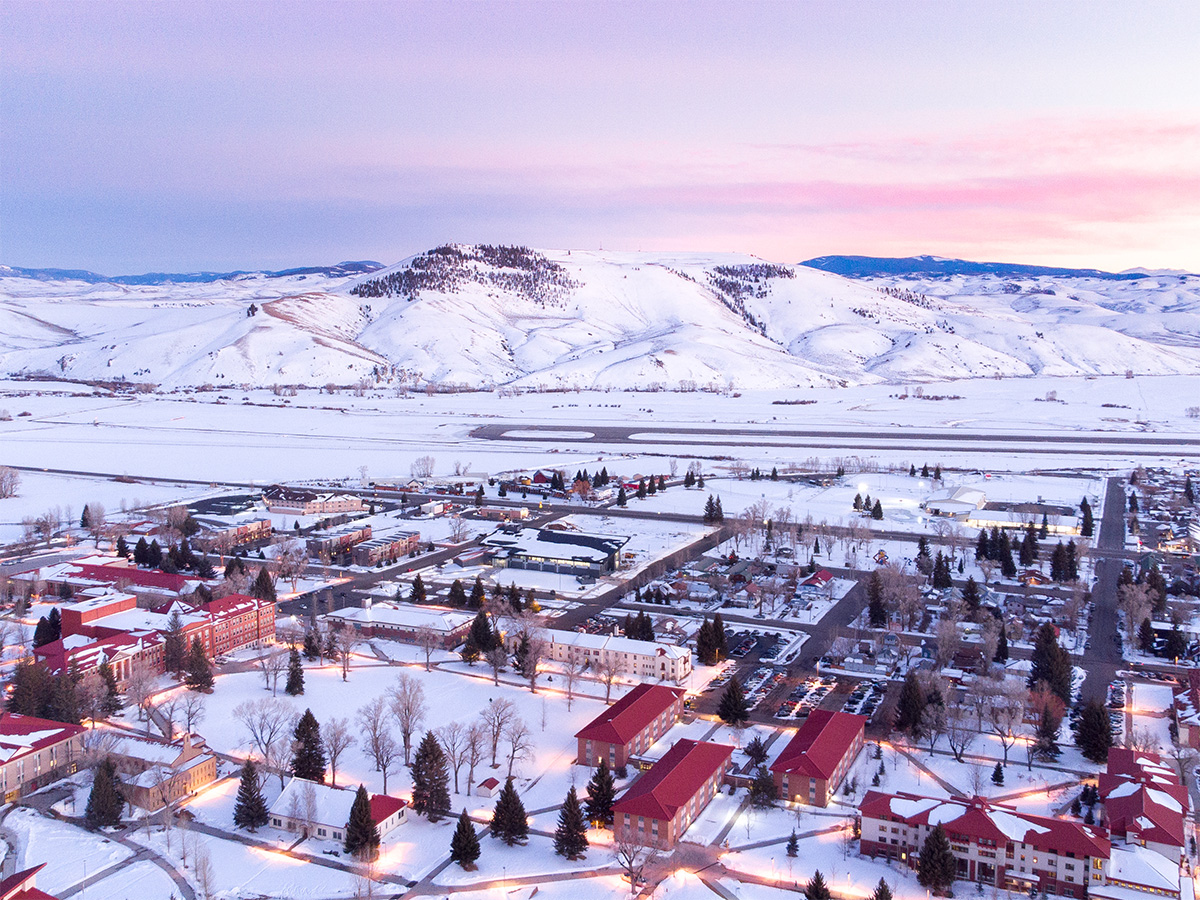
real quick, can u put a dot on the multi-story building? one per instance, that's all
(629, 726)
(1144, 801)
(658, 808)
(35, 752)
(406, 622)
(302, 502)
(816, 760)
(554, 550)
(993, 844)
(388, 549)
(644, 660)
(329, 544)
(157, 773)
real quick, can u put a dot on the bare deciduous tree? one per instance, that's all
(495, 717)
(268, 722)
(458, 529)
(453, 738)
(345, 639)
(607, 671)
(429, 641)
(497, 658)
(406, 699)
(97, 519)
(271, 666)
(519, 740)
(292, 560)
(475, 744)
(1134, 600)
(634, 859)
(139, 686)
(422, 467)
(381, 746)
(960, 731)
(336, 737)
(193, 709)
(10, 482)
(572, 668)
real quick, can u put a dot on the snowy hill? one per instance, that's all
(493, 316)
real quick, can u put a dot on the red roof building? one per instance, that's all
(23, 886)
(816, 760)
(1144, 801)
(35, 752)
(630, 725)
(993, 844)
(658, 808)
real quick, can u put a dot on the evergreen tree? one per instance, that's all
(936, 867)
(111, 702)
(478, 595)
(1176, 644)
(720, 512)
(1189, 492)
(1094, 736)
(1046, 735)
(1044, 530)
(1087, 524)
(458, 594)
(509, 822)
(1028, 551)
(30, 686)
(570, 837)
(858, 503)
(641, 489)
(1001, 655)
(1008, 566)
(154, 555)
(733, 709)
(882, 891)
(464, 845)
(601, 794)
(710, 511)
(911, 705)
(174, 643)
(925, 470)
(720, 638)
(105, 802)
(250, 810)
(877, 511)
(706, 650)
(622, 498)
(362, 835)
(430, 794)
(308, 758)
(122, 547)
(1146, 636)
(817, 889)
(42, 632)
(295, 679)
(912, 470)
(417, 594)
(763, 791)
(1050, 663)
(263, 587)
(877, 613)
(941, 572)
(793, 845)
(970, 594)
(998, 774)
(312, 645)
(983, 547)
(198, 675)
(141, 552)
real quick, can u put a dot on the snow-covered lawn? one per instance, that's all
(72, 853)
(496, 861)
(140, 881)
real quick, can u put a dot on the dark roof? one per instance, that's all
(622, 721)
(820, 743)
(674, 779)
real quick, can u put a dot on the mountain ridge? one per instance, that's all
(913, 266)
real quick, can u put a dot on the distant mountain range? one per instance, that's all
(934, 266)
(473, 316)
(341, 270)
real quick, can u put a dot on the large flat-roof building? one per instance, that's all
(303, 502)
(644, 660)
(554, 550)
(629, 726)
(658, 808)
(35, 752)
(406, 622)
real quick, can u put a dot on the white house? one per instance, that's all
(323, 812)
(645, 660)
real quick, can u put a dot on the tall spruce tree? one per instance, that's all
(362, 835)
(263, 587)
(509, 822)
(882, 891)
(312, 645)
(936, 866)
(295, 679)
(733, 709)
(877, 612)
(430, 793)
(570, 837)
(601, 794)
(199, 673)
(1001, 655)
(250, 808)
(308, 758)
(464, 845)
(793, 845)
(720, 638)
(911, 705)
(1094, 736)
(817, 889)
(1050, 663)
(105, 802)
(110, 704)
(174, 643)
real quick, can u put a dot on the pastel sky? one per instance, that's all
(178, 136)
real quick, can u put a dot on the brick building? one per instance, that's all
(630, 725)
(658, 808)
(35, 752)
(817, 758)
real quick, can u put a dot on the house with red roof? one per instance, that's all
(630, 725)
(816, 760)
(35, 752)
(658, 808)
(23, 886)
(993, 844)
(1144, 801)
(322, 811)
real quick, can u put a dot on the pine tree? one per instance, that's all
(570, 837)
(430, 794)
(1008, 566)
(1146, 636)
(882, 891)
(458, 594)
(312, 645)
(877, 613)
(1094, 736)
(105, 802)
(601, 794)
(464, 845)
(936, 867)
(622, 498)
(970, 594)
(509, 822)
(1189, 492)
(1050, 663)
(720, 512)
(733, 709)
(706, 650)
(295, 679)
(417, 594)
(308, 759)
(983, 546)
(1001, 655)
(199, 674)
(858, 503)
(250, 810)
(719, 637)
(911, 705)
(362, 835)
(1028, 551)
(1087, 524)
(763, 791)
(111, 703)
(478, 595)
(1046, 735)
(710, 511)
(793, 845)
(1176, 644)
(998, 774)
(817, 889)
(154, 555)
(42, 632)
(174, 643)
(263, 587)
(122, 548)
(877, 511)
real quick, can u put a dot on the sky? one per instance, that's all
(179, 136)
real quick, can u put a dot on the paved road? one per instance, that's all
(1103, 657)
(1090, 444)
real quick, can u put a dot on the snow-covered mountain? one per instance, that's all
(490, 316)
